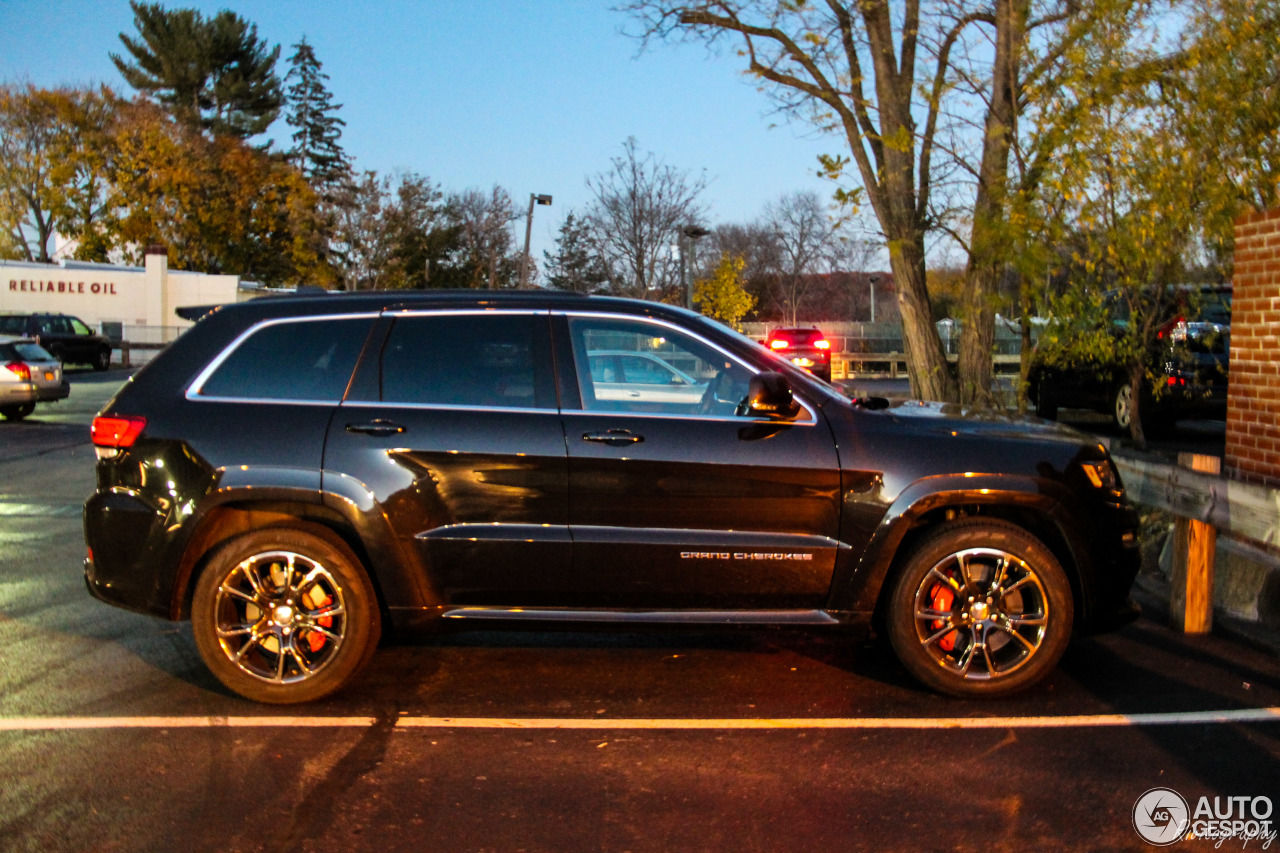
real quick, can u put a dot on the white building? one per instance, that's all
(136, 298)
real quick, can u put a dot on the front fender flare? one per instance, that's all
(859, 588)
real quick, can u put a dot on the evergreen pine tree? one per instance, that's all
(310, 108)
(214, 74)
(575, 265)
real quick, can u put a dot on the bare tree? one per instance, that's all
(640, 204)
(868, 72)
(392, 231)
(806, 239)
(486, 244)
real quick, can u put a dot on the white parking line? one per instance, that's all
(1183, 718)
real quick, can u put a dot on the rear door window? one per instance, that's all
(469, 360)
(301, 360)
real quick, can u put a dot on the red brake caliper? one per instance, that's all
(941, 598)
(319, 600)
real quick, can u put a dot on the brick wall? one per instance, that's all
(1253, 401)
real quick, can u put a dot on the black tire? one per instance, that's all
(1002, 594)
(102, 360)
(17, 412)
(284, 615)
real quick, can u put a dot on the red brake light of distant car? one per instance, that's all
(116, 431)
(822, 343)
(1169, 327)
(777, 344)
(20, 369)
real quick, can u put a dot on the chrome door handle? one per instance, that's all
(613, 437)
(376, 427)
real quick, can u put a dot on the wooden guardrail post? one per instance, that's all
(1194, 542)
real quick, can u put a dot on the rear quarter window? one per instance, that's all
(13, 325)
(303, 360)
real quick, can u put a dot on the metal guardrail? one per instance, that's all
(1245, 510)
(1204, 504)
(129, 347)
(893, 365)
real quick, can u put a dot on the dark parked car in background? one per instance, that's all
(28, 375)
(1189, 362)
(294, 472)
(68, 339)
(804, 347)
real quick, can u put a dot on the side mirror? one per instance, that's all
(769, 395)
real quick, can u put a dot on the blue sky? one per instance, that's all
(531, 95)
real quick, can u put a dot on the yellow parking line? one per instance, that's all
(1239, 715)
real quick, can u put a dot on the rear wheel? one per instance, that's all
(980, 608)
(102, 360)
(284, 615)
(17, 412)
(1122, 407)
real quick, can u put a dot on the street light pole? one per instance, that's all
(528, 232)
(691, 233)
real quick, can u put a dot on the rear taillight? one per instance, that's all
(20, 369)
(822, 343)
(110, 431)
(777, 344)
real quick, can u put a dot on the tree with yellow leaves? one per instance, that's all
(721, 295)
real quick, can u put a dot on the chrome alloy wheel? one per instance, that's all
(280, 616)
(1122, 407)
(981, 613)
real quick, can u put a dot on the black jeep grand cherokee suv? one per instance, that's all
(294, 472)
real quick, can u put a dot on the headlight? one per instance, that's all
(1102, 474)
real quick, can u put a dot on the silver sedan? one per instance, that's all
(28, 375)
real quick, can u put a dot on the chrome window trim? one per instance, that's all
(473, 312)
(193, 390)
(811, 420)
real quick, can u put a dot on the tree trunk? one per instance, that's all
(988, 241)
(1137, 375)
(927, 367)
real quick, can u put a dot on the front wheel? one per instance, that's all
(980, 608)
(284, 615)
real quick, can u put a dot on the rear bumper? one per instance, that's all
(29, 392)
(121, 530)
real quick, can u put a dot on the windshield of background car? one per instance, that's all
(636, 366)
(13, 325)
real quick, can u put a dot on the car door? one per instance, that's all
(451, 426)
(679, 503)
(83, 341)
